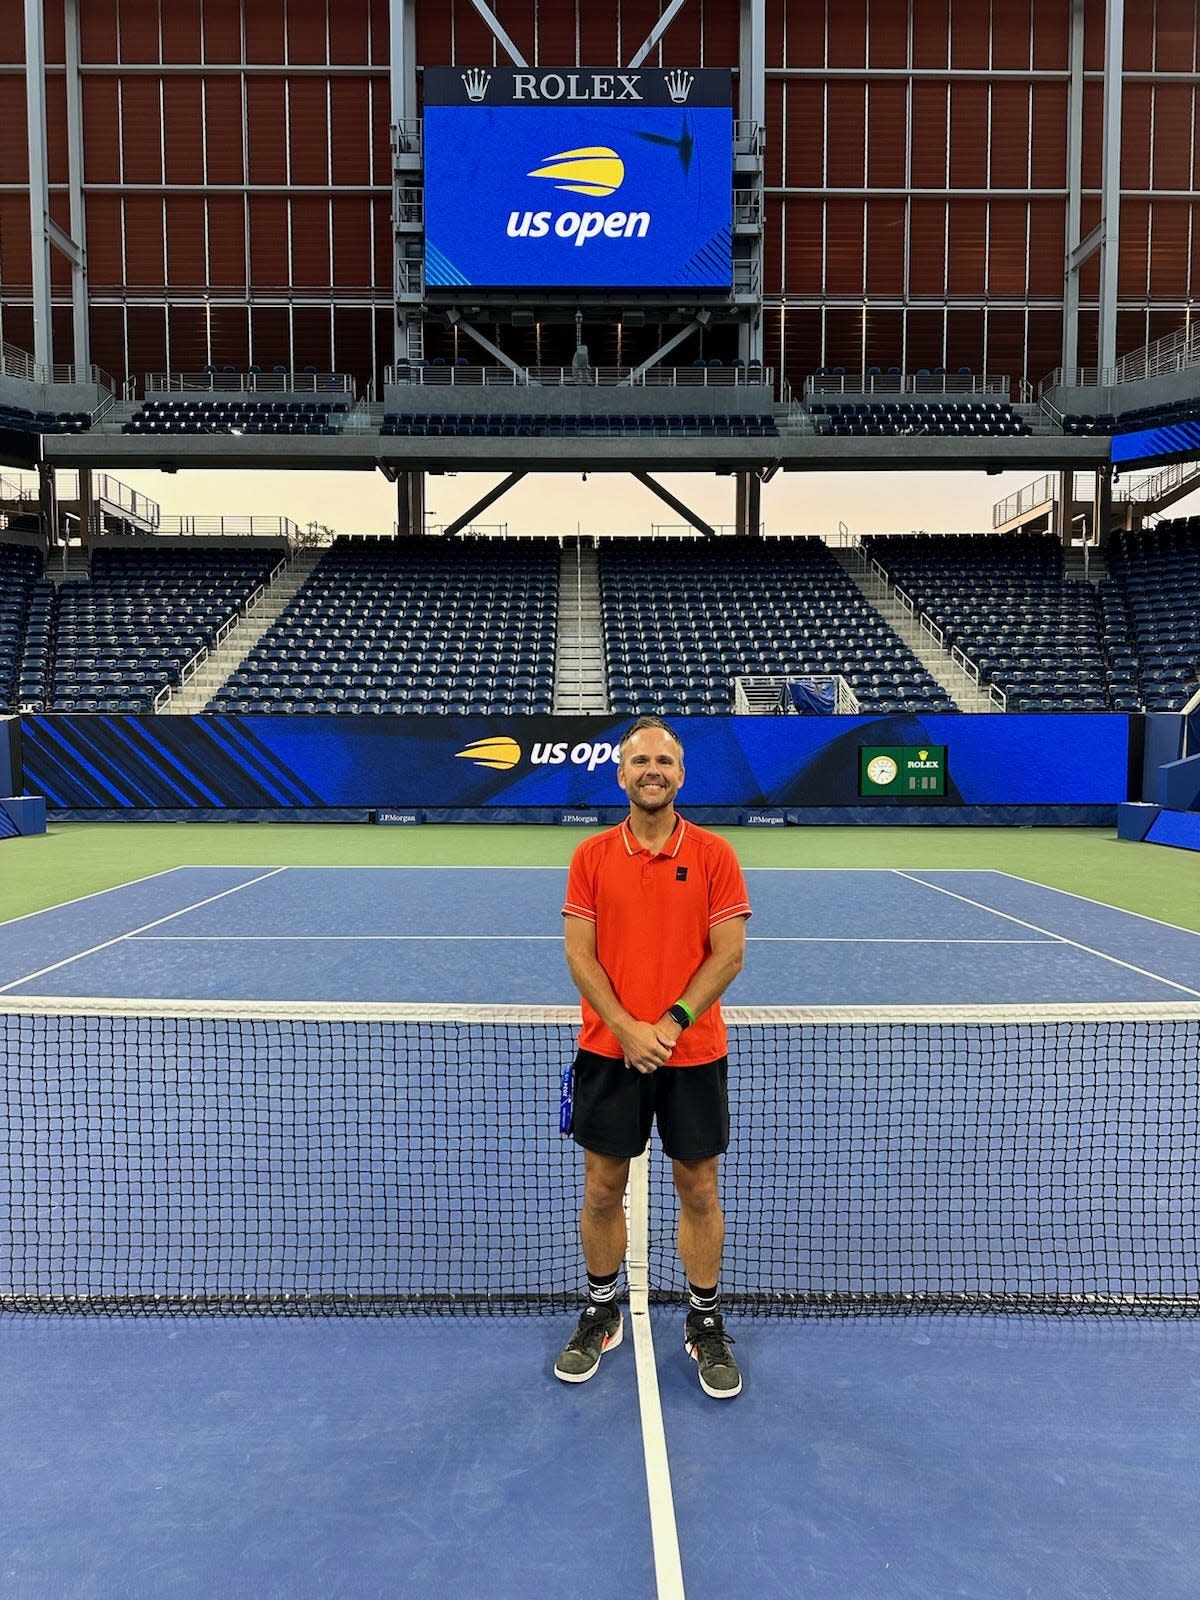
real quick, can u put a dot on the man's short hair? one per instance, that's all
(647, 722)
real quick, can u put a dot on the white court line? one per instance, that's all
(664, 1532)
(95, 893)
(1059, 938)
(79, 955)
(507, 938)
(1090, 900)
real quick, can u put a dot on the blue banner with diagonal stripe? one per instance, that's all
(287, 762)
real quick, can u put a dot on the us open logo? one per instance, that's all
(596, 170)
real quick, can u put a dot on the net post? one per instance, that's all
(637, 1222)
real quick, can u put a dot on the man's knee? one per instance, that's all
(604, 1180)
(696, 1185)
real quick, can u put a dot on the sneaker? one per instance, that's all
(601, 1328)
(708, 1345)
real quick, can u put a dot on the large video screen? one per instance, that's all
(574, 178)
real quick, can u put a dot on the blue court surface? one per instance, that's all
(986, 1457)
(492, 936)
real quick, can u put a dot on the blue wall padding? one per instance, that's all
(1134, 819)
(8, 748)
(1178, 785)
(26, 814)
(1163, 743)
(1180, 828)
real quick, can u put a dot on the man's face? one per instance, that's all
(651, 769)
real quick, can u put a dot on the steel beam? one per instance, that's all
(489, 499)
(457, 320)
(700, 321)
(656, 33)
(505, 43)
(675, 504)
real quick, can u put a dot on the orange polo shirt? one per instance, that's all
(653, 911)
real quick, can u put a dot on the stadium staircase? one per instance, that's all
(214, 670)
(580, 680)
(966, 691)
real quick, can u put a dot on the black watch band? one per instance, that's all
(681, 1015)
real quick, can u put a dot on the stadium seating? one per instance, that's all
(415, 625)
(21, 674)
(128, 633)
(1158, 416)
(441, 424)
(17, 419)
(1151, 603)
(683, 619)
(950, 418)
(237, 416)
(1004, 603)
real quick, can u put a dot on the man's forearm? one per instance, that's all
(710, 981)
(594, 984)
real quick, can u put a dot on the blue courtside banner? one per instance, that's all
(507, 763)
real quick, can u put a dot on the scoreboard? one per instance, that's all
(901, 769)
(572, 178)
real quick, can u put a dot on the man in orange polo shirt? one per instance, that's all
(655, 921)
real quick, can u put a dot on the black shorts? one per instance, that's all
(616, 1106)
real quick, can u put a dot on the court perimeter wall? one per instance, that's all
(1067, 769)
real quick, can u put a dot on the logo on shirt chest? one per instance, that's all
(680, 874)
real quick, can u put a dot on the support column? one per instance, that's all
(87, 508)
(79, 285)
(410, 503)
(1102, 507)
(1110, 195)
(752, 107)
(407, 329)
(1062, 514)
(48, 502)
(1070, 336)
(39, 190)
(748, 513)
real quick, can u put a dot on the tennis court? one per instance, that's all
(990, 1455)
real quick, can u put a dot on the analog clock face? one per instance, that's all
(882, 770)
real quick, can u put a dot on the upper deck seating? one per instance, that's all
(251, 416)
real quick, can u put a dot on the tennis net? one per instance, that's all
(162, 1158)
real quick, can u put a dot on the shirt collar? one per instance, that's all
(670, 848)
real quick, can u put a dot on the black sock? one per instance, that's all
(602, 1291)
(703, 1300)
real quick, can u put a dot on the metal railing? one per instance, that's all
(888, 384)
(406, 137)
(765, 694)
(1149, 487)
(18, 363)
(115, 493)
(273, 383)
(1032, 496)
(447, 376)
(747, 137)
(1172, 353)
(230, 528)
